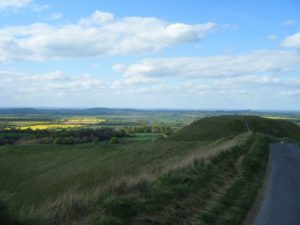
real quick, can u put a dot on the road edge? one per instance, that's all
(257, 203)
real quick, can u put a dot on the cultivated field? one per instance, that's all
(47, 126)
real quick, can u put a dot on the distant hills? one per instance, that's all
(111, 111)
(65, 111)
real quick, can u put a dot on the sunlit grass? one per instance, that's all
(28, 123)
(71, 122)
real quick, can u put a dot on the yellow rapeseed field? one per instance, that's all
(47, 126)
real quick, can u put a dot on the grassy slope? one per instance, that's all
(212, 128)
(37, 178)
(57, 184)
(217, 191)
(34, 177)
(51, 169)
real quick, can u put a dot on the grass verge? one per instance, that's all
(215, 191)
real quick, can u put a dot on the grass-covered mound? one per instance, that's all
(274, 127)
(213, 128)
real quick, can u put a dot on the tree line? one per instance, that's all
(75, 136)
(149, 129)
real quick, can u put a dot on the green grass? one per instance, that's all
(187, 178)
(11, 134)
(212, 128)
(37, 179)
(219, 191)
(34, 175)
(137, 137)
(233, 205)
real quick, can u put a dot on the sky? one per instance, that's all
(192, 54)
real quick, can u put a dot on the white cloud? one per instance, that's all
(98, 34)
(253, 63)
(259, 83)
(242, 80)
(134, 81)
(98, 18)
(49, 82)
(292, 41)
(7, 4)
(60, 89)
(55, 16)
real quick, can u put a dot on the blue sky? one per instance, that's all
(152, 54)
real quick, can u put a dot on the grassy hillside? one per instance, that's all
(276, 128)
(34, 178)
(212, 128)
(206, 173)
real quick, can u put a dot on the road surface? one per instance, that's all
(281, 203)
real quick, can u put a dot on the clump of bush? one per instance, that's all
(113, 140)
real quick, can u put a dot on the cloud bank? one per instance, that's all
(292, 41)
(8, 4)
(253, 63)
(99, 34)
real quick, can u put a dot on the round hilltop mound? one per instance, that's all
(212, 128)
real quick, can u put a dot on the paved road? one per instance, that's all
(281, 203)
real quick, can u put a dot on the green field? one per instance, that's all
(58, 172)
(144, 178)
(136, 137)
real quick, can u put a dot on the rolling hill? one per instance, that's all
(206, 173)
(212, 128)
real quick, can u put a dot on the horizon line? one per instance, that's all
(144, 108)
